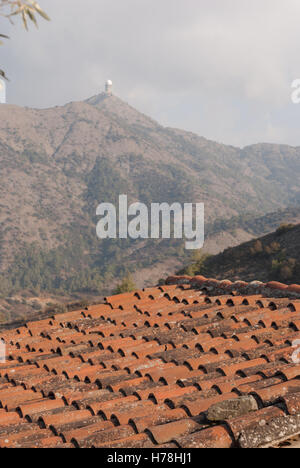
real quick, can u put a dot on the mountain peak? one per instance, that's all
(58, 164)
(116, 107)
(98, 99)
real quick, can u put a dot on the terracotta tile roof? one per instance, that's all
(195, 363)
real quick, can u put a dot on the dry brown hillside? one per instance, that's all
(272, 257)
(58, 164)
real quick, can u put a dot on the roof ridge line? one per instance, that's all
(240, 287)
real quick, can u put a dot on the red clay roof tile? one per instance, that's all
(84, 432)
(215, 437)
(140, 441)
(257, 418)
(173, 430)
(292, 403)
(149, 352)
(275, 431)
(104, 437)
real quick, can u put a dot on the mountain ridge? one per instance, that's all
(274, 256)
(58, 164)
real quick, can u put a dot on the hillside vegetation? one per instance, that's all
(58, 164)
(272, 257)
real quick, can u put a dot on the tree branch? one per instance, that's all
(26, 9)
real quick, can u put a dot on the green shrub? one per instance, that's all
(126, 286)
(283, 228)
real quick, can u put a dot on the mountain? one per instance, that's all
(275, 256)
(234, 231)
(58, 164)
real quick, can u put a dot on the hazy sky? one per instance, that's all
(220, 68)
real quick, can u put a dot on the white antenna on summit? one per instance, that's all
(108, 87)
(2, 92)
